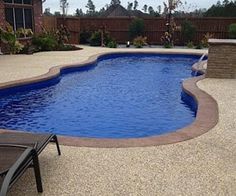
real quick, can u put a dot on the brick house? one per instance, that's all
(25, 14)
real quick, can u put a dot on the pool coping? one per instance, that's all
(206, 119)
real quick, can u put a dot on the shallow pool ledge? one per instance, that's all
(206, 119)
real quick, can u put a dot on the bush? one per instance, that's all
(166, 40)
(112, 44)
(45, 42)
(85, 37)
(28, 49)
(51, 40)
(140, 41)
(206, 37)
(96, 39)
(8, 37)
(136, 28)
(188, 31)
(21, 33)
(61, 35)
(232, 31)
(168, 45)
(16, 47)
(190, 45)
(199, 46)
(68, 47)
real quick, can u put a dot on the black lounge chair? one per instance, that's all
(23, 139)
(14, 160)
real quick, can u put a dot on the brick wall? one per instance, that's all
(38, 16)
(221, 59)
(2, 14)
(37, 11)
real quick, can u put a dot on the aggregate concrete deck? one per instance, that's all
(205, 165)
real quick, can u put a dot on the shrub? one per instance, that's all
(85, 37)
(188, 31)
(140, 41)
(68, 47)
(168, 45)
(199, 46)
(136, 28)
(45, 42)
(190, 45)
(166, 40)
(24, 33)
(232, 31)
(112, 44)
(96, 39)
(206, 37)
(107, 38)
(8, 37)
(28, 49)
(51, 40)
(62, 35)
(16, 47)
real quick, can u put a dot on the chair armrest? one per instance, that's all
(25, 156)
(17, 145)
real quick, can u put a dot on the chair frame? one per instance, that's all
(29, 158)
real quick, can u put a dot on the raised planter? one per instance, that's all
(222, 59)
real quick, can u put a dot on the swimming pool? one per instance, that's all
(121, 96)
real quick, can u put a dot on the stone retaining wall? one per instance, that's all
(221, 59)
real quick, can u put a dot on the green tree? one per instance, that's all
(64, 6)
(188, 31)
(79, 12)
(169, 7)
(232, 31)
(47, 12)
(102, 10)
(136, 28)
(159, 9)
(115, 2)
(130, 6)
(226, 9)
(135, 4)
(90, 8)
(57, 13)
(151, 11)
(198, 12)
(145, 7)
(226, 2)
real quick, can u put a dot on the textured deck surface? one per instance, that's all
(205, 165)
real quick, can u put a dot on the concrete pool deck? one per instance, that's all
(205, 165)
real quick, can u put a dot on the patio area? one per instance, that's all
(205, 165)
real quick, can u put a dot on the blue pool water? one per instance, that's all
(122, 96)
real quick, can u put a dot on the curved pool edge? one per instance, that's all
(206, 119)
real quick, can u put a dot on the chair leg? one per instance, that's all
(37, 173)
(57, 144)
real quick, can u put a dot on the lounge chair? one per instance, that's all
(24, 138)
(14, 160)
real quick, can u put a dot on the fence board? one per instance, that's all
(154, 27)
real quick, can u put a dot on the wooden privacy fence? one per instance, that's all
(154, 27)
